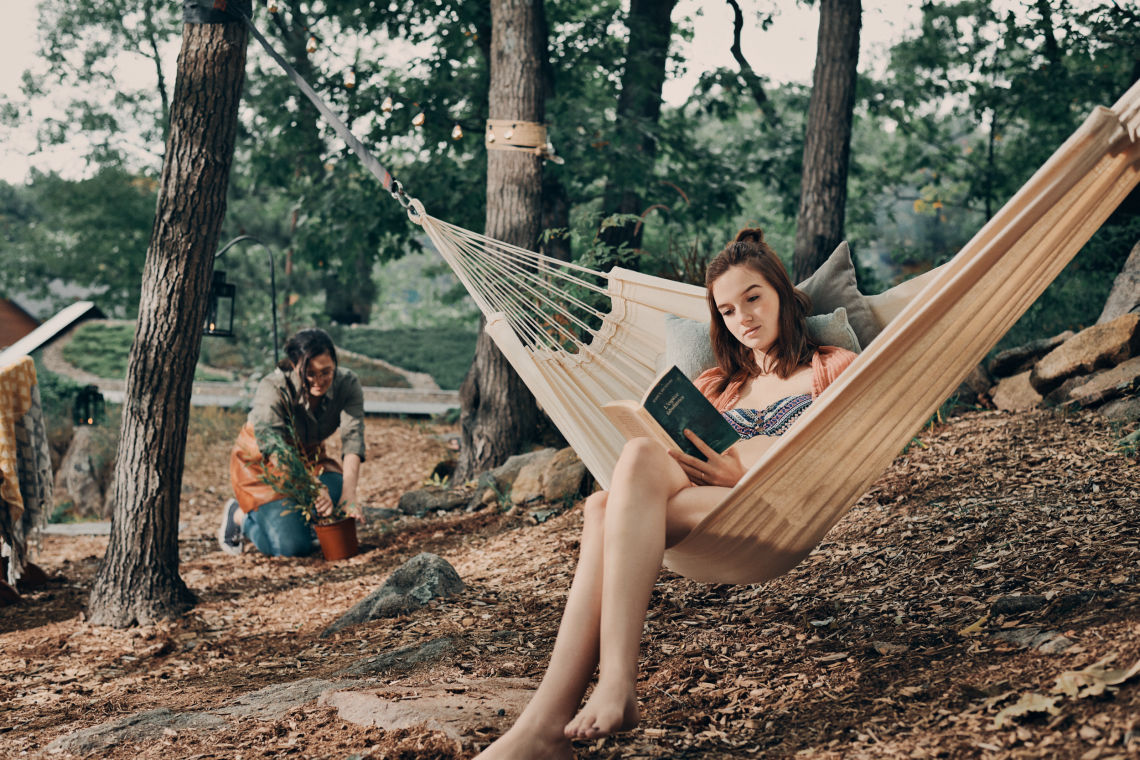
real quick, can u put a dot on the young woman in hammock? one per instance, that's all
(768, 372)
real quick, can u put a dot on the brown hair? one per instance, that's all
(302, 347)
(793, 346)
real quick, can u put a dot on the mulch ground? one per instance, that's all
(981, 600)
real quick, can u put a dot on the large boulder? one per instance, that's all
(1014, 361)
(410, 586)
(1125, 409)
(1015, 393)
(563, 477)
(527, 485)
(80, 477)
(1124, 297)
(1097, 347)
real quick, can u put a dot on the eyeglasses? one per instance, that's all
(323, 374)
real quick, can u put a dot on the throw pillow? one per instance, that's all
(833, 285)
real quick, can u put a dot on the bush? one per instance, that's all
(103, 349)
(444, 352)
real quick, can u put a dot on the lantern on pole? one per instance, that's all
(89, 406)
(220, 311)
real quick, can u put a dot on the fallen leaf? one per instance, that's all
(1031, 702)
(974, 627)
(1093, 680)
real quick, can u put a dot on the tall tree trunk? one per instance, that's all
(827, 143)
(498, 412)
(138, 579)
(638, 109)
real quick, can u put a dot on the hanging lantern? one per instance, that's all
(386, 106)
(350, 79)
(312, 46)
(272, 6)
(418, 119)
(88, 408)
(220, 311)
(457, 132)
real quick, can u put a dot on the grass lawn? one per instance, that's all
(103, 350)
(444, 352)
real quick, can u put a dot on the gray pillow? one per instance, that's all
(833, 285)
(687, 344)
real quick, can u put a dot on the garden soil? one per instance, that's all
(981, 600)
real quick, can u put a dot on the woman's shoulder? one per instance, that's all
(826, 364)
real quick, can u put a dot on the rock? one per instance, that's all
(424, 500)
(1108, 384)
(381, 514)
(1060, 394)
(1122, 409)
(274, 701)
(455, 709)
(527, 486)
(410, 586)
(1069, 602)
(137, 727)
(1014, 361)
(505, 474)
(1047, 641)
(975, 389)
(1099, 346)
(79, 479)
(1125, 294)
(563, 477)
(1017, 604)
(399, 660)
(1015, 393)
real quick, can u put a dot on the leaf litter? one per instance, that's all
(911, 632)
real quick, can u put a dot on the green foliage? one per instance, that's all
(294, 476)
(372, 374)
(104, 350)
(92, 233)
(444, 352)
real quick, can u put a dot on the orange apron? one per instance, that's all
(247, 465)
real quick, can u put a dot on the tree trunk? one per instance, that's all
(498, 412)
(138, 579)
(638, 109)
(827, 143)
(1125, 294)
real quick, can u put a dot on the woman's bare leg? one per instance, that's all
(538, 731)
(636, 525)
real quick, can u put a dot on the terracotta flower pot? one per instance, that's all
(338, 539)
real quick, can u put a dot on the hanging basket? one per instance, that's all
(338, 539)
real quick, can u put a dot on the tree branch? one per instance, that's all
(751, 80)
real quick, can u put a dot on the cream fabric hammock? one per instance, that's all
(575, 355)
(580, 339)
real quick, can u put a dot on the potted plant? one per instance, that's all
(293, 475)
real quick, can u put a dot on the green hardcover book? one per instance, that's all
(671, 405)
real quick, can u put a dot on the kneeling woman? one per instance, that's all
(769, 371)
(303, 402)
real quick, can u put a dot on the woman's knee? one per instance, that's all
(642, 450)
(594, 509)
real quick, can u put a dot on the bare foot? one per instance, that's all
(524, 743)
(611, 708)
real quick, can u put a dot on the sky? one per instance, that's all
(783, 53)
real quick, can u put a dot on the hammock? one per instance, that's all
(580, 338)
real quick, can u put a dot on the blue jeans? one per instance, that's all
(278, 528)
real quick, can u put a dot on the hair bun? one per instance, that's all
(750, 235)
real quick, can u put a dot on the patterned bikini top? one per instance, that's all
(774, 420)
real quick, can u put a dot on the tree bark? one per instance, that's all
(638, 110)
(498, 412)
(138, 580)
(1124, 297)
(827, 142)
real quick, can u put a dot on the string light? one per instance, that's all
(386, 106)
(457, 132)
(418, 119)
(311, 47)
(272, 6)
(350, 79)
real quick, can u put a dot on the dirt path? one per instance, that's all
(996, 555)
